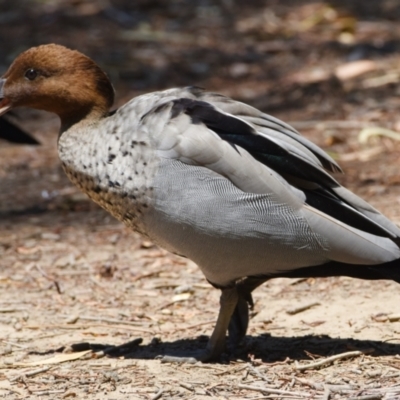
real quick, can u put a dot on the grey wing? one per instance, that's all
(295, 171)
(282, 165)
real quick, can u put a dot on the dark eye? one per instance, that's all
(31, 74)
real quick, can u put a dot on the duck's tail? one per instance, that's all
(389, 270)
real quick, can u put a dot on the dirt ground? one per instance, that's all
(70, 274)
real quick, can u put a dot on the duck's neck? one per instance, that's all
(81, 118)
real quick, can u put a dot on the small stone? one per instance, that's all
(18, 326)
(50, 236)
(146, 244)
(72, 320)
(238, 70)
(65, 261)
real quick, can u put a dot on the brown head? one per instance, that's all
(56, 79)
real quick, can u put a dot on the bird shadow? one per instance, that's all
(264, 347)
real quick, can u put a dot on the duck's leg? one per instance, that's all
(239, 323)
(216, 344)
(240, 317)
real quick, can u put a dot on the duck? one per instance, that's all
(239, 192)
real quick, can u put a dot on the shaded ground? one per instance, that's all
(69, 273)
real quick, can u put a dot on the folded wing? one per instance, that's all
(260, 154)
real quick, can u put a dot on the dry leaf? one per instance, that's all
(57, 359)
(353, 69)
(367, 133)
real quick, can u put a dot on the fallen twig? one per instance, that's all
(11, 310)
(110, 320)
(158, 394)
(21, 346)
(327, 393)
(299, 309)
(48, 277)
(367, 397)
(186, 386)
(30, 373)
(257, 373)
(317, 386)
(272, 391)
(329, 360)
(47, 392)
(146, 275)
